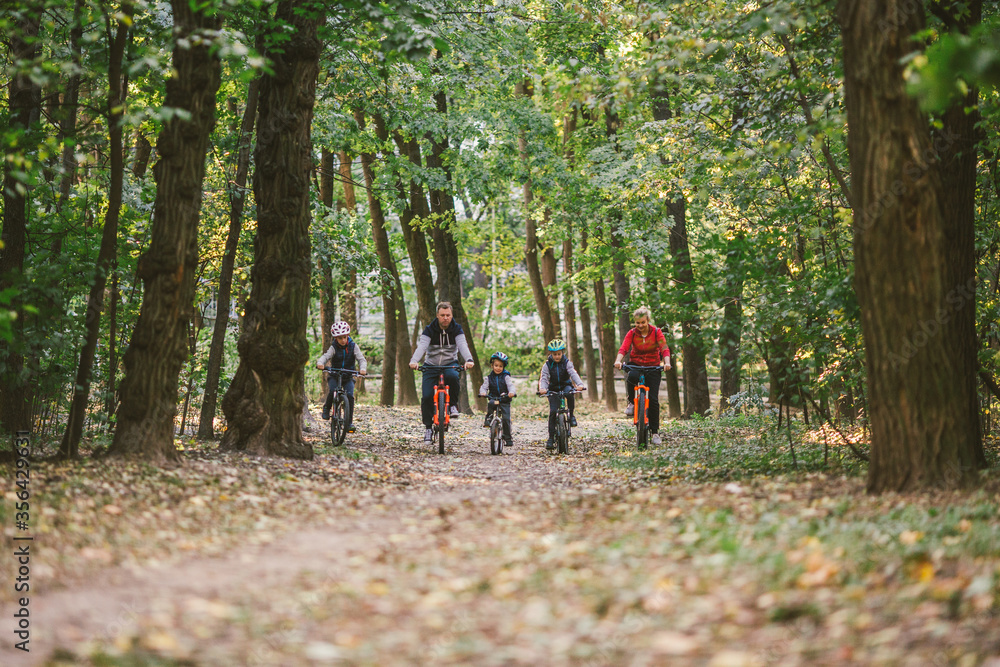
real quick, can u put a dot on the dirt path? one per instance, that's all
(207, 608)
(399, 556)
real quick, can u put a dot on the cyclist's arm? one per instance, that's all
(484, 388)
(325, 359)
(626, 346)
(543, 379)
(423, 343)
(360, 357)
(664, 350)
(463, 348)
(574, 377)
(511, 389)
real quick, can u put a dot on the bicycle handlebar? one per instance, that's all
(341, 371)
(564, 392)
(429, 367)
(630, 367)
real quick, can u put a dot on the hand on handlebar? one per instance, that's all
(320, 366)
(469, 364)
(581, 387)
(364, 372)
(414, 365)
(618, 365)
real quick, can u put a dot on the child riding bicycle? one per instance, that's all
(558, 374)
(497, 383)
(646, 346)
(342, 355)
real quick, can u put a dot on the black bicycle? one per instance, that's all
(640, 416)
(563, 428)
(338, 419)
(496, 425)
(441, 402)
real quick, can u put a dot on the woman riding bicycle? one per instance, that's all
(646, 346)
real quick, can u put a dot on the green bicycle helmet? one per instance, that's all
(556, 344)
(501, 356)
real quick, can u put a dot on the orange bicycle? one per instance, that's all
(441, 403)
(641, 415)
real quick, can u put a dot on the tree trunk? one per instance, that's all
(622, 289)
(416, 243)
(922, 402)
(695, 371)
(589, 354)
(159, 344)
(549, 279)
(348, 298)
(606, 338)
(525, 89)
(387, 264)
(69, 448)
(263, 405)
(327, 294)
(732, 323)
(223, 298)
(957, 148)
(24, 99)
(443, 208)
(407, 385)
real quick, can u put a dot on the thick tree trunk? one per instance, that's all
(549, 279)
(696, 394)
(327, 294)
(530, 230)
(223, 298)
(24, 99)
(159, 344)
(732, 323)
(956, 145)
(69, 447)
(443, 207)
(264, 403)
(922, 402)
(606, 338)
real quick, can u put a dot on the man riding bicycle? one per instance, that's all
(646, 346)
(442, 341)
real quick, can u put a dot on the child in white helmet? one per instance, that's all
(343, 354)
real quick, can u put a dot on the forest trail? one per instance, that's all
(395, 555)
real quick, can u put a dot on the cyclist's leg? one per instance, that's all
(553, 409)
(489, 413)
(451, 378)
(332, 384)
(631, 380)
(571, 403)
(653, 382)
(505, 418)
(349, 400)
(427, 399)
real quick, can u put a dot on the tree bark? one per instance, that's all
(159, 344)
(443, 209)
(696, 393)
(223, 298)
(921, 401)
(264, 403)
(606, 338)
(348, 297)
(956, 145)
(387, 264)
(660, 319)
(415, 211)
(328, 296)
(69, 448)
(732, 323)
(25, 100)
(525, 89)
(407, 384)
(549, 278)
(589, 354)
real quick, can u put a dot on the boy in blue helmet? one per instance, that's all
(558, 374)
(497, 383)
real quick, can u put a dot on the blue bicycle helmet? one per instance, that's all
(501, 356)
(556, 344)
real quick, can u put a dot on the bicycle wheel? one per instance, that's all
(338, 425)
(442, 408)
(496, 438)
(562, 433)
(641, 427)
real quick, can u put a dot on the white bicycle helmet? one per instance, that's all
(340, 329)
